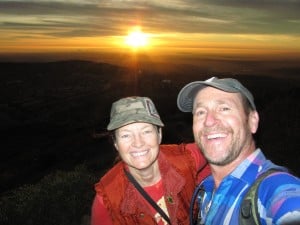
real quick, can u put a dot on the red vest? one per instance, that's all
(179, 177)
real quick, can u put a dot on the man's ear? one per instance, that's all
(253, 121)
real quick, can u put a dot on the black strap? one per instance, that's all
(196, 198)
(147, 197)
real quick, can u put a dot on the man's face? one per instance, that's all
(220, 126)
(138, 144)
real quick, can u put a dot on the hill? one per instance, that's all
(54, 114)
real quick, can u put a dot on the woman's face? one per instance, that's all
(138, 144)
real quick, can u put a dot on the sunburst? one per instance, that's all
(137, 38)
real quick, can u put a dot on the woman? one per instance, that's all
(168, 174)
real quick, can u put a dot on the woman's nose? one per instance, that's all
(138, 140)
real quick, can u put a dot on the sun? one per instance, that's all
(137, 39)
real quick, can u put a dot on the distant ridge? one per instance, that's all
(65, 64)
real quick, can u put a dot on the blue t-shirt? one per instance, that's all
(278, 194)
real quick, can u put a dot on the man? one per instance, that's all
(224, 121)
(168, 174)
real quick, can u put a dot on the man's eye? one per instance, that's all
(225, 108)
(200, 112)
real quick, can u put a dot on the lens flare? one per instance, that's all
(137, 38)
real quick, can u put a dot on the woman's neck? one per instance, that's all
(148, 176)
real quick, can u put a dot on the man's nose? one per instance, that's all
(211, 118)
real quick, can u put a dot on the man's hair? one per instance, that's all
(246, 104)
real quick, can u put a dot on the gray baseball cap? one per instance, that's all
(187, 94)
(133, 109)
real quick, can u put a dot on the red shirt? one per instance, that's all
(100, 215)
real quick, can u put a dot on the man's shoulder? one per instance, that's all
(279, 180)
(270, 190)
(279, 194)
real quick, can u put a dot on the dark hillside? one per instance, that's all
(53, 115)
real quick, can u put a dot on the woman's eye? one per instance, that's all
(148, 131)
(124, 136)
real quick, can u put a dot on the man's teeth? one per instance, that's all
(212, 136)
(137, 154)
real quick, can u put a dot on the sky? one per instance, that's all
(232, 28)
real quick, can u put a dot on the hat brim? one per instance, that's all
(187, 94)
(134, 119)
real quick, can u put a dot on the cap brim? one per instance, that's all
(187, 94)
(134, 119)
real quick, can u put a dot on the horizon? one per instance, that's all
(273, 67)
(96, 30)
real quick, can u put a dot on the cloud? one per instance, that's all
(110, 17)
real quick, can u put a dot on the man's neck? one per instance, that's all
(219, 172)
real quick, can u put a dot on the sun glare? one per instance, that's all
(136, 39)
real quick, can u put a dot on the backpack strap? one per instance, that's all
(249, 211)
